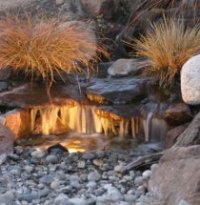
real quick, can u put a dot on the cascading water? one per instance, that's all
(84, 119)
(89, 119)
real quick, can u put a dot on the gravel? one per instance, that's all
(37, 177)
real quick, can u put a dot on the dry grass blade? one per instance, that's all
(45, 47)
(167, 46)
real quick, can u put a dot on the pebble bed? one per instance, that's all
(32, 177)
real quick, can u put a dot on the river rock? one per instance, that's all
(178, 114)
(181, 166)
(6, 140)
(123, 67)
(190, 83)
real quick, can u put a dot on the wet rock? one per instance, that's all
(190, 84)
(6, 140)
(178, 114)
(124, 67)
(117, 91)
(181, 166)
(173, 134)
(57, 149)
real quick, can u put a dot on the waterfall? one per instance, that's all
(154, 128)
(85, 119)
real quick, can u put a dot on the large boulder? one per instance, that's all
(177, 177)
(190, 83)
(6, 140)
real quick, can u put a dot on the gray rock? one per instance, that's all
(118, 91)
(78, 201)
(7, 198)
(112, 194)
(16, 170)
(51, 159)
(38, 154)
(29, 197)
(81, 164)
(28, 168)
(55, 184)
(88, 156)
(3, 158)
(124, 67)
(94, 176)
(62, 199)
(130, 198)
(44, 192)
(138, 180)
(146, 174)
(48, 179)
(91, 185)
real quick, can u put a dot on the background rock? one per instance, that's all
(123, 67)
(178, 114)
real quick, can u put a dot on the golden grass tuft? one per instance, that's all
(167, 46)
(43, 48)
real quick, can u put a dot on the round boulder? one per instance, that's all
(190, 81)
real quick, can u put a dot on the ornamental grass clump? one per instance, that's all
(45, 47)
(167, 46)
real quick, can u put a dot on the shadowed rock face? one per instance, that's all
(178, 175)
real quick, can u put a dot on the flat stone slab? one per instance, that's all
(118, 90)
